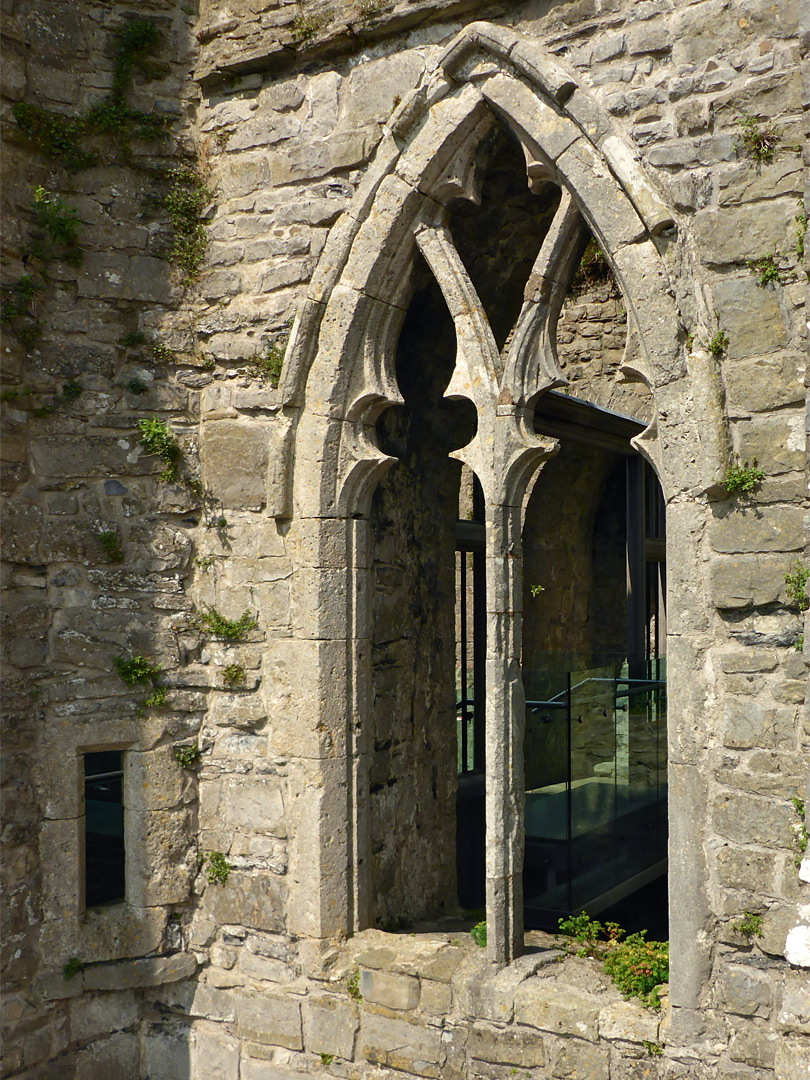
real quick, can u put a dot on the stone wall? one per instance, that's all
(282, 113)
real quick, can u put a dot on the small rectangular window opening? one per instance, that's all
(104, 853)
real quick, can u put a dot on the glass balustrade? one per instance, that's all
(596, 783)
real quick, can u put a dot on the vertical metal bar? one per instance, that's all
(464, 763)
(568, 807)
(635, 566)
(479, 656)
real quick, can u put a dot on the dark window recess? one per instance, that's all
(104, 856)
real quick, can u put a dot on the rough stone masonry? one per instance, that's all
(233, 572)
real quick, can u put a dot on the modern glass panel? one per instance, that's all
(596, 793)
(104, 851)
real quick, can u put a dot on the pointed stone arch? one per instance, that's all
(338, 377)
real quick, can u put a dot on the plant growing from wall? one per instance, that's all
(64, 137)
(536, 590)
(719, 343)
(218, 870)
(800, 829)
(268, 365)
(307, 26)
(187, 757)
(111, 544)
(186, 201)
(353, 986)
(233, 675)
(479, 934)
(796, 581)
(765, 269)
(801, 233)
(744, 478)
(72, 968)
(750, 925)
(157, 699)
(136, 669)
(635, 965)
(758, 141)
(229, 629)
(158, 438)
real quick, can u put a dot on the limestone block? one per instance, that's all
(388, 989)
(270, 1018)
(124, 277)
(255, 803)
(651, 207)
(310, 160)
(736, 233)
(747, 724)
(105, 933)
(160, 858)
(215, 1056)
(628, 1022)
(69, 457)
(542, 70)
(436, 998)
(777, 443)
(521, 1049)
(745, 990)
(149, 971)
(751, 820)
(577, 1060)
(779, 528)
(794, 1006)
(196, 999)
(156, 780)
(401, 1045)
(797, 946)
(543, 1004)
(233, 456)
(544, 130)
(753, 1045)
(746, 581)
(609, 211)
(21, 532)
(744, 868)
(255, 899)
(739, 183)
(330, 1025)
(251, 1069)
(59, 845)
(367, 95)
(792, 1059)
(116, 1056)
(93, 1015)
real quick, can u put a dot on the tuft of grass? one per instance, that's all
(353, 986)
(765, 269)
(268, 365)
(758, 142)
(306, 27)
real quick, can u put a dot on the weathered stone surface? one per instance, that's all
(628, 1022)
(392, 991)
(771, 529)
(748, 580)
(270, 1018)
(517, 1048)
(746, 990)
(541, 1004)
(401, 1045)
(576, 1060)
(330, 1025)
